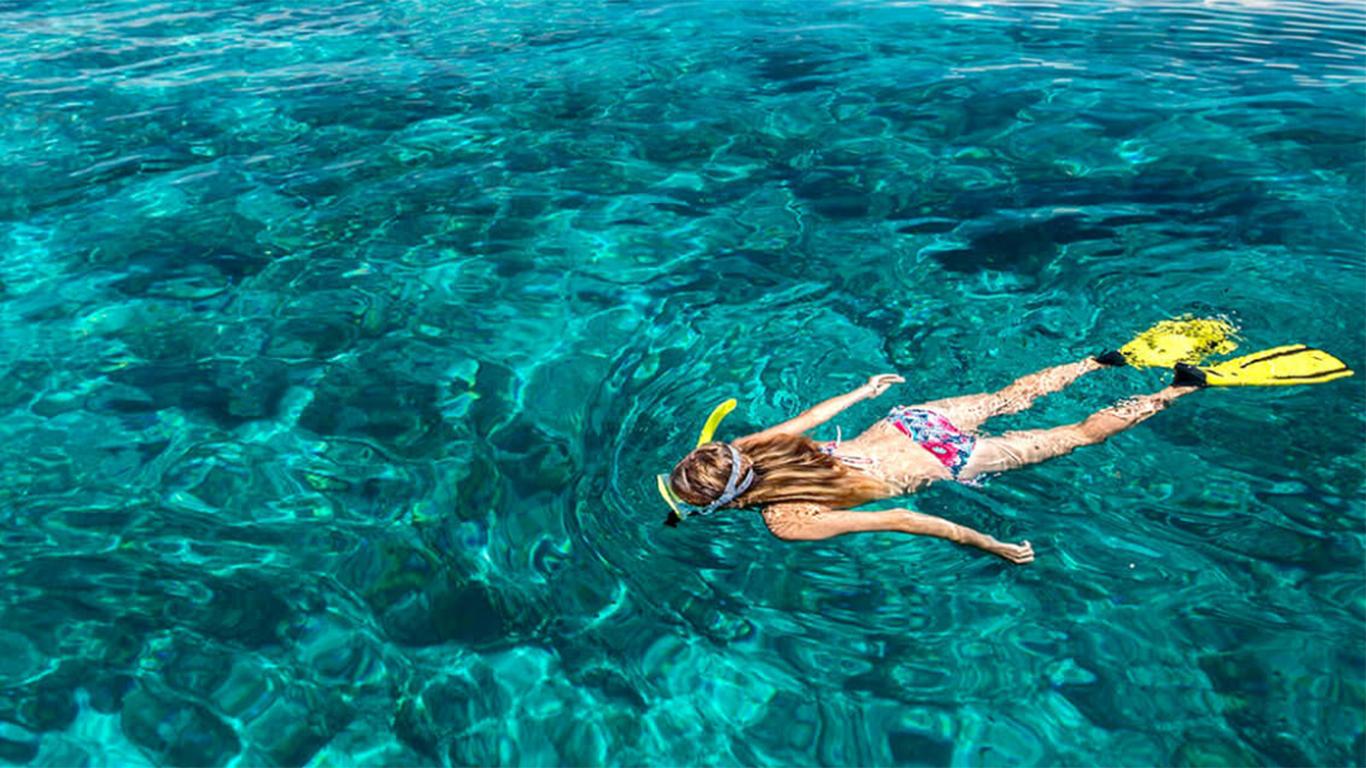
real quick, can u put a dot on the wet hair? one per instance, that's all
(787, 468)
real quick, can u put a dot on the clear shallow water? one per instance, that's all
(341, 344)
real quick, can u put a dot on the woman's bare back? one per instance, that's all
(885, 453)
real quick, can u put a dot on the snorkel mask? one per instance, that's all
(735, 486)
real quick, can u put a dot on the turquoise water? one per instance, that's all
(342, 343)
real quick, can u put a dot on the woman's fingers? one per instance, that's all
(879, 383)
(1019, 553)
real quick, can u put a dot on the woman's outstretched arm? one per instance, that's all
(822, 412)
(812, 522)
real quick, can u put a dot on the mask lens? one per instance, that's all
(662, 482)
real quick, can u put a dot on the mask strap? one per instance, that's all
(732, 490)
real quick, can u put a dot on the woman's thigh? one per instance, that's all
(1013, 450)
(967, 412)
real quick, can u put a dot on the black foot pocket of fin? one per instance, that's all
(1112, 357)
(1188, 375)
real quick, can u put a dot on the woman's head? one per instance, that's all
(786, 468)
(701, 477)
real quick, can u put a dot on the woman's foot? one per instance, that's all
(1111, 357)
(1187, 375)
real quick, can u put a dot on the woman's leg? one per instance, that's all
(969, 411)
(1018, 449)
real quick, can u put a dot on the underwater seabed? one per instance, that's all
(342, 346)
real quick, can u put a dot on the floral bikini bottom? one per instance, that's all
(934, 432)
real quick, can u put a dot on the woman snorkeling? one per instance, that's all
(805, 488)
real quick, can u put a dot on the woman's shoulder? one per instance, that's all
(792, 512)
(795, 521)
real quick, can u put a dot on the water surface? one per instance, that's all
(342, 343)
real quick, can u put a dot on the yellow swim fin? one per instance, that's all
(1180, 340)
(1276, 367)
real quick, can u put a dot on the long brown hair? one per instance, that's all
(786, 467)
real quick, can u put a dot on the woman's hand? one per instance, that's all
(1018, 554)
(878, 384)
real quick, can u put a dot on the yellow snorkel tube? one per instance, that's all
(677, 505)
